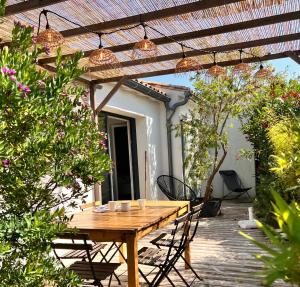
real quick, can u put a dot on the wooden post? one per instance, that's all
(97, 187)
(146, 163)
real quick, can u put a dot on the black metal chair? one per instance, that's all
(234, 183)
(164, 260)
(165, 239)
(85, 269)
(175, 189)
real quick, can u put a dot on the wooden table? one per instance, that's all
(128, 227)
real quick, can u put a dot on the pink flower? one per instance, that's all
(24, 88)
(102, 144)
(8, 71)
(5, 163)
(13, 78)
(46, 49)
(34, 39)
(61, 134)
(41, 84)
(237, 156)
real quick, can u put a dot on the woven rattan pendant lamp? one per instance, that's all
(263, 73)
(187, 64)
(49, 37)
(102, 56)
(144, 48)
(215, 70)
(241, 68)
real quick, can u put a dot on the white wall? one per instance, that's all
(150, 129)
(245, 168)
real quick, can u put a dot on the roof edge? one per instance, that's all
(147, 90)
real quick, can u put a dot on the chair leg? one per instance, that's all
(224, 197)
(160, 276)
(104, 258)
(145, 278)
(181, 277)
(110, 281)
(168, 278)
(106, 253)
(192, 269)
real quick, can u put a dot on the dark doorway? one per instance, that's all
(122, 182)
(122, 163)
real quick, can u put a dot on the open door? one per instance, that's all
(122, 182)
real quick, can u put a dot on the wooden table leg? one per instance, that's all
(132, 260)
(187, 255)
(123, 251)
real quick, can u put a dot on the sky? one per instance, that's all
(280, 65)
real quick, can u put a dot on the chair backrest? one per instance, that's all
(231, 179)
(196, 215)
(175, 189)
(74, 241)
(180, 237)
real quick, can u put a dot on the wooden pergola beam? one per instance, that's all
(205, 66)
(223, 48)
(294, 56)
(154, 15)
(29, 5)
(110, 94)
(201, 33)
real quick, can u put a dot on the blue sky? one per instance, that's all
(280, 65)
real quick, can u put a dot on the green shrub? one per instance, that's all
(282, 259)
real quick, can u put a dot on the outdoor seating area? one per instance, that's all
(219, 255)
(149, 143)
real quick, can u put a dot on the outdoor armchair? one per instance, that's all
(175, 189)
(234, 183)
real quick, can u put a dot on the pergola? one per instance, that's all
(265, 29)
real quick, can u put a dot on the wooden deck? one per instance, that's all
(220, 255)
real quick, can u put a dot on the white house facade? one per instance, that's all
(138, 120)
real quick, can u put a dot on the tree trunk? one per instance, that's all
(209, 188)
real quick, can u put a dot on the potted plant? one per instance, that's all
(214, 103)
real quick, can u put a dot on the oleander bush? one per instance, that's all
(50, 154)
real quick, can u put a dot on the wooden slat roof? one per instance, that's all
(269, 29)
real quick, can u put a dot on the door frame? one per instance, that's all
(133, 155)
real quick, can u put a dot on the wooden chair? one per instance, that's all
(165, 239)
(164, 260)
(97, 244)
(86, 269)
(97, 247)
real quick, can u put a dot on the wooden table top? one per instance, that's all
(134, 220)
